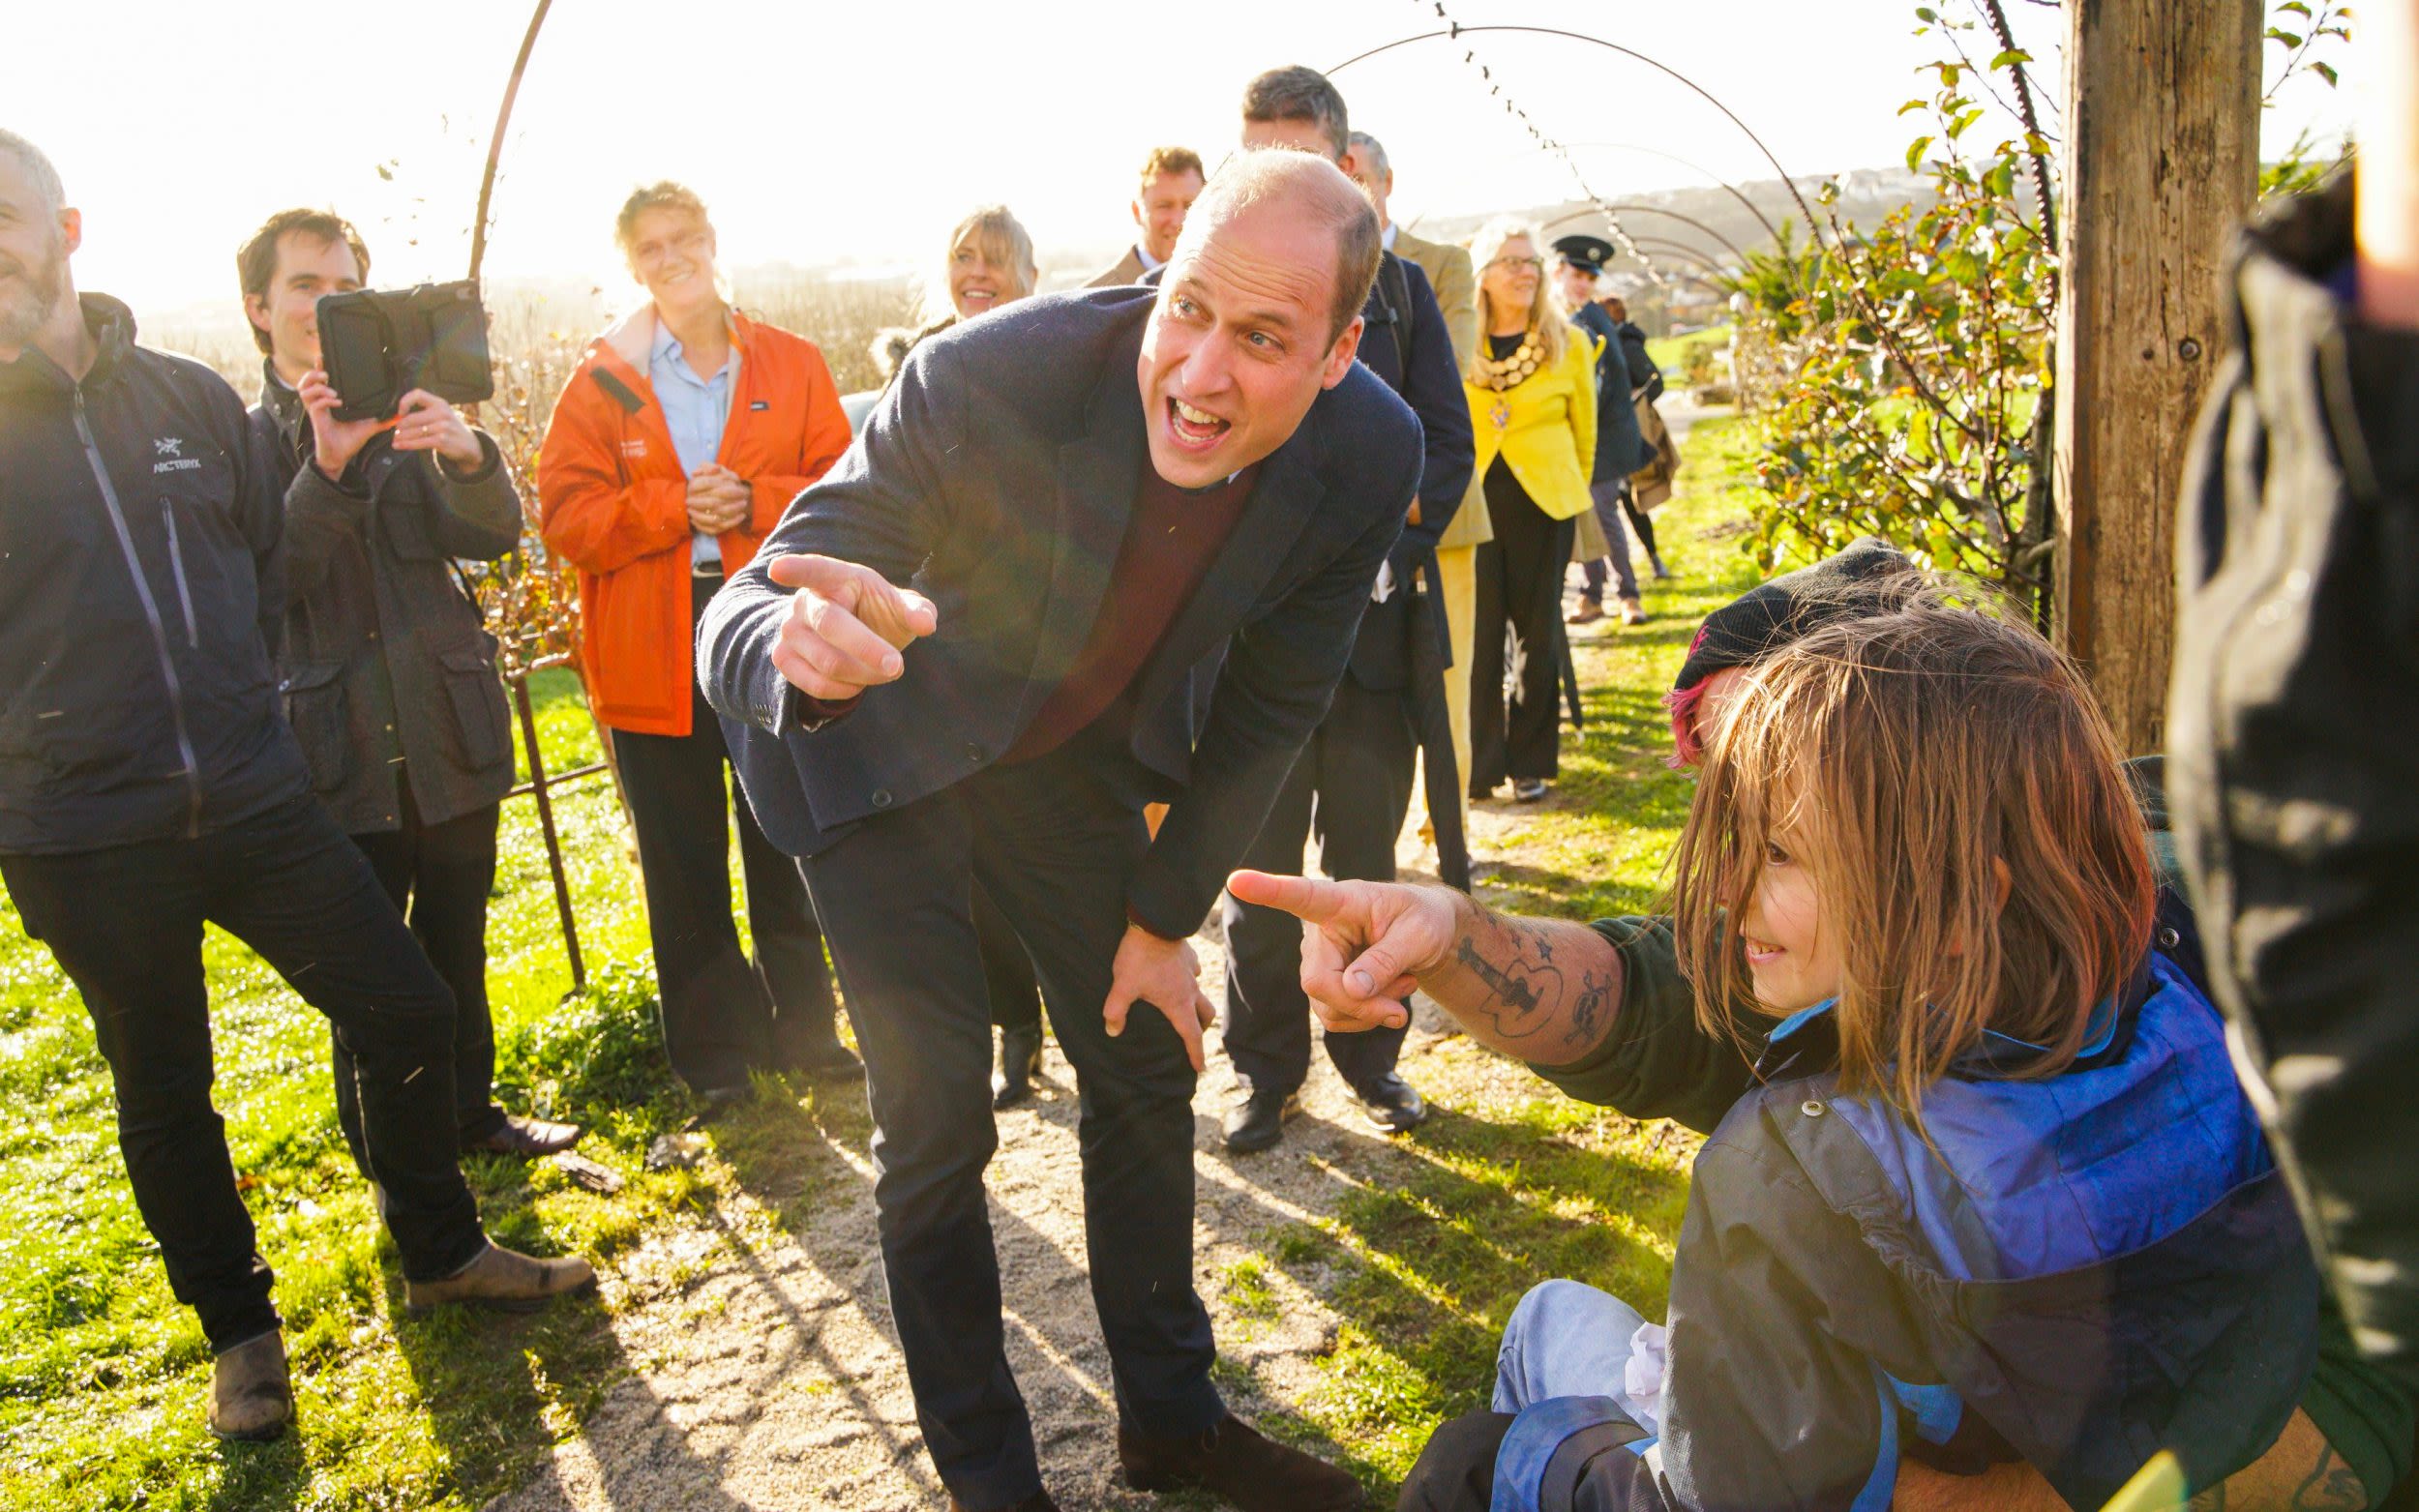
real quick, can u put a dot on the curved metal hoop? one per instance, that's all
(1457, 30)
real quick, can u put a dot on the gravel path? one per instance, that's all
(764, 1375)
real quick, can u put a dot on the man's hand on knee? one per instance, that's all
(1163, 974)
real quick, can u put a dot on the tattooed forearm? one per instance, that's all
(1514, 996)
(2301, 1472)
(1591, 1011)
(2330, 1484)
(1543, 989)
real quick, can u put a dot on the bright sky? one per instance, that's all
(819, 133)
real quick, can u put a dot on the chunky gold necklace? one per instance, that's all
(1508, 373)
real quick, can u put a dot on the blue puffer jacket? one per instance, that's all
(2078, 1271)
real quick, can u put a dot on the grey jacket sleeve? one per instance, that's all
(476, 515)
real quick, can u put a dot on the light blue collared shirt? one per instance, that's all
(694, 411)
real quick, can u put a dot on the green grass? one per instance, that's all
(102, 1376)
(1671, 352)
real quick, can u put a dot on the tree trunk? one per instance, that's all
(2160, 161)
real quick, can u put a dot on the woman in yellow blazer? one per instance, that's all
(1532, 389)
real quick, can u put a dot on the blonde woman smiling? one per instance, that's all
(1532, 389)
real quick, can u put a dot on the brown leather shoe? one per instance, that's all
(526, 1137)
(504, 1280)
(1038, 1502)
(251, 1396)
(1235, 1461)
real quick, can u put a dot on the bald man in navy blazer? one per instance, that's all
(1092, 551)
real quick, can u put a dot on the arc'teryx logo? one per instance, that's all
(172, 447)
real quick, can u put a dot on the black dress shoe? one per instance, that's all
(526, 1137)
(1020, 1066)
(1392, 1105)
(1258, 1121)
(1038, 1502)
(824, 1057)
(1235, 1462)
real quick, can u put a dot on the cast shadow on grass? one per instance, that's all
(1433, 1242)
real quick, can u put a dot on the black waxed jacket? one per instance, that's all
(2294, 741)
(139, 602)
(389, 673)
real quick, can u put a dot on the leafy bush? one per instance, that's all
(1902, 372)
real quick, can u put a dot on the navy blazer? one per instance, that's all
(1431, 385)
(996, 476)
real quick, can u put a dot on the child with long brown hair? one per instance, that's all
(1991, 1194)
(1998, 1196)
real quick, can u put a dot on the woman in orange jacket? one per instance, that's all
(682, 436)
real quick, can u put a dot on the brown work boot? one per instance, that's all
(526, 1137)
(251, 1396)
(1235, 1462)
(504, 1280)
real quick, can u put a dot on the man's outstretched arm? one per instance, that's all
(1545, 991)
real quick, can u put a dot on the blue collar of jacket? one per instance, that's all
(1806, 1043)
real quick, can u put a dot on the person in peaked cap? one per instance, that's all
(1579, 260)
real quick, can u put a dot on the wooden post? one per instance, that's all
(2160, 161)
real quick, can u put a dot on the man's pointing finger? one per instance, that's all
(1321, 903)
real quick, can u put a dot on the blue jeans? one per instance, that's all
(1567, 1340)
(1608, 515)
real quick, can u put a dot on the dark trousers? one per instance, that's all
(1008, 971)
(1352, 787)
(1611, 504)
(1642, 522)
(724, 1017)
(1456, 1469)
(1054, 843)
(1520, 599)
(438, 876)
(126, 925)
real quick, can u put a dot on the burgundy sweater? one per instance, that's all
(1170, 541)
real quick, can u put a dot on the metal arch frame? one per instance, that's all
(1728, 246)
(496, 141)
(1457, 31)
(1723, 184)
(1664, 242)
(1695, 255)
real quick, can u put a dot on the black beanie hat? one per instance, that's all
(1860, 579)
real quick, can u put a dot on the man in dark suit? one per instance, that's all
(1352, 784)
(1092, 551)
